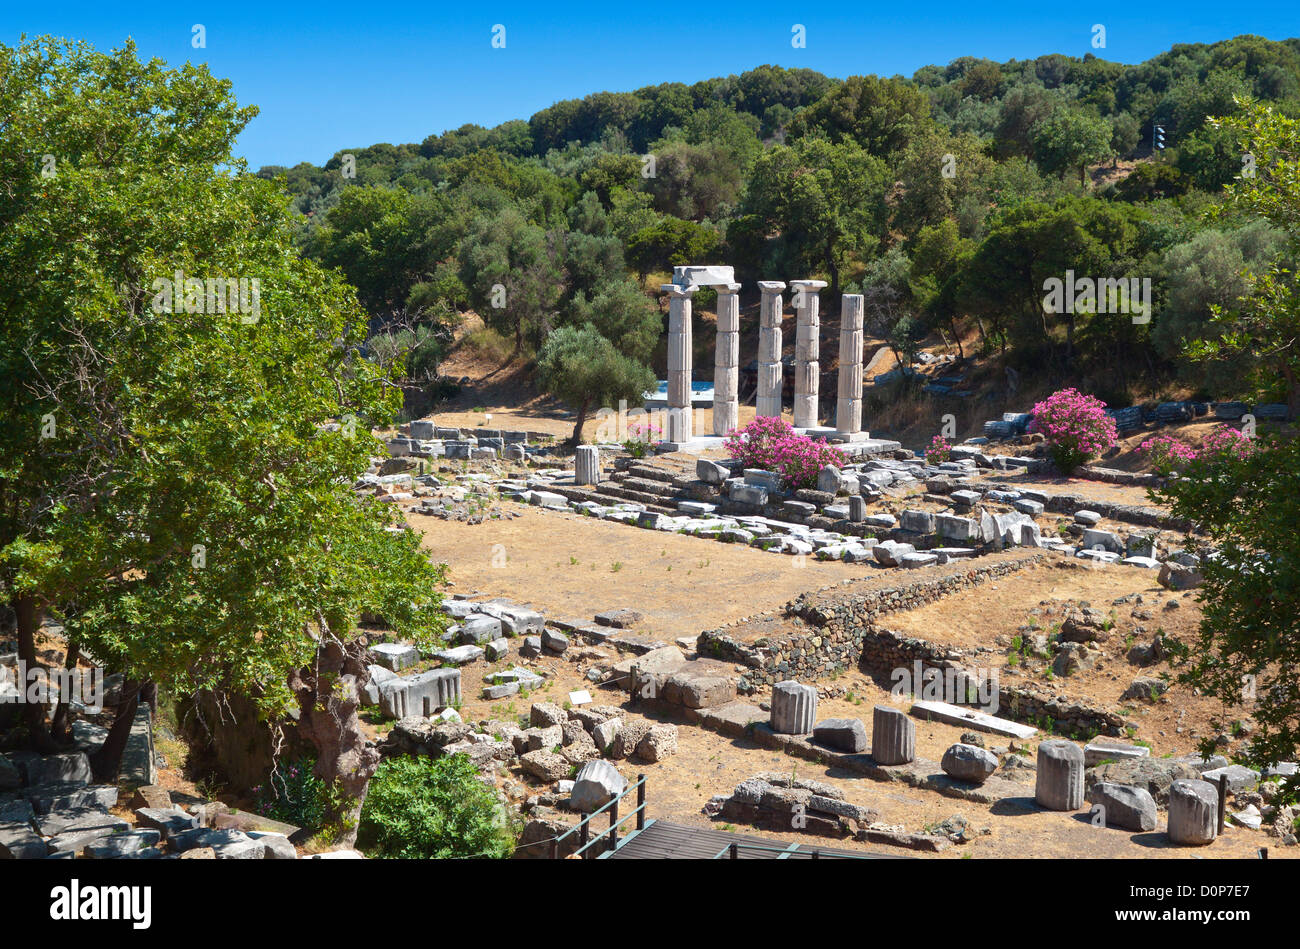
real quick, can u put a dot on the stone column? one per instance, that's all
(794, 708)
(848, 404)
(807, 343)
(726, 361)
(680, 428)
(1193, 812)
(1059, 785)
(586, 465)
(893, 736)
(769, 349)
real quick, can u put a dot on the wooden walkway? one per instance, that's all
(662, 840)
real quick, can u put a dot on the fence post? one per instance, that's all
(583, 833)
(612, 843)
(735, 853)
(640, 802)
(1223, 799)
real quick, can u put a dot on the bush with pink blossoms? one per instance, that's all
(1075, 426)
(1167, 454)
(1225, 443)
(940, 450)
(771, 444)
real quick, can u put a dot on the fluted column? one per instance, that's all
(893, 736)
(794, 708)
(807, 345)
(680, 428)
(769, 349)
(848, 403)
(726, 361)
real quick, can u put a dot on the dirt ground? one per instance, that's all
(568, 565)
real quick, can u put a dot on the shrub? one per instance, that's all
(418, 808)
(771, 444)
(639, 437)
(940, 450)
(1075, 426)
(1167, 454)
(295, 795)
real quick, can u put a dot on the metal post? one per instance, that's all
(1263, 853)
(814, 855)
(555, 850)
(1223, 799)
(640, 802)
(735, 853)
(612, 842)
(583, 832)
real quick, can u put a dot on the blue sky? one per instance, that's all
(331, 76)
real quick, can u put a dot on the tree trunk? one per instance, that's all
(59, 725)
(582, 420)
(833, 270)
(27, 613)
(328, 695)
(106, 762)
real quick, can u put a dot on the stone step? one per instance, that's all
(647, 486)
(650, 473)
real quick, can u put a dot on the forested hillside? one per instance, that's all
(948, 198)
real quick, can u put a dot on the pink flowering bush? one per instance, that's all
(940, 450)
(1167, 454)
(771, 444)
(639, 437)
(1170, 456)
(1225, 443)
(1075, 426)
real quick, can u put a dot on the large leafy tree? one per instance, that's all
(825, 201)
(880, 115)
(581, 367)
(1265, 328)
(176, 474)
(1247, 649)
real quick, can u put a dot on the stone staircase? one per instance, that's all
(657, 483)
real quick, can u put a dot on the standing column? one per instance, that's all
(726, 361)
(807, 343)
(680, 428)
(769, 349)
(848, 404)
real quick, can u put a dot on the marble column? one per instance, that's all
(769, 349)
(680, 428)
(586, 465)
(726, 361)
(807, 343)
(848, 404)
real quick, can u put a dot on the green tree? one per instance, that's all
(581, 367)
(1247, 649)
(826, 201)
(177, 461)
(879, 115)
(1265, 328)
(514, 273)
(1070, 138)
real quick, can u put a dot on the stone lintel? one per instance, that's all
(673, 290)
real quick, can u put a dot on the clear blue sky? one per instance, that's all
(329, 76)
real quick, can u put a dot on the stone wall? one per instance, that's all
(842, 632)
(838, 625)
